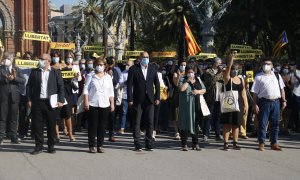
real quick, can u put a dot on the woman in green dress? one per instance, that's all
(190, 114)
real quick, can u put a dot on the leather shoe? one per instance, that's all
(276, 147)
(36, 151)
(16, 140)
(51, 150)
(100, 150)
(261, 147)
(112, 139)
(92, 150)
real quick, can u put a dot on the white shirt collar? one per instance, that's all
(49, 68)
(143, 67)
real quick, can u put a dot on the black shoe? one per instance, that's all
(36, 151)
(226, 147)
(51, 150)
(100, 150)
(15, 140)
(236, 146)
(138, 148)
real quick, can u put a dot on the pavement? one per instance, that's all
(167, 162)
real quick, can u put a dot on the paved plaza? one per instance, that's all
(72, 161)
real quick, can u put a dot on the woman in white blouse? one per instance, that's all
(98, 101)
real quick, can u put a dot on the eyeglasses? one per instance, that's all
(100, 64)
(145, 57)
(267, 64)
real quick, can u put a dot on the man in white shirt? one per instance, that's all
(267, 91)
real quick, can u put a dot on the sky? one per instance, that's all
(59, 3)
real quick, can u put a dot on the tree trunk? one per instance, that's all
(208, 31)
(105, 33)
(181, 41)
(252, 30)
(119, 48)
(132, 35)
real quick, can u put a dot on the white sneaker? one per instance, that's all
(177, 136)
(153, 135)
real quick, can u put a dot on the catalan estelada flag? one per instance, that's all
(282, 41)
(193, 47)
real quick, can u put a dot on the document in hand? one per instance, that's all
(53, 101)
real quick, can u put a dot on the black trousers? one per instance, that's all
(111, 122)
(41, 112)
(97, 121)
(23, 116)
(156, 116)
(147, 109)
(195, 137)
(8, 116)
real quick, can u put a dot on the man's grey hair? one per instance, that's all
(8, 55)
(217, 59)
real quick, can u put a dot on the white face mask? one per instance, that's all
(6, 62)
(99, 69)
(69, 60)
(267, 68)
(192, 75)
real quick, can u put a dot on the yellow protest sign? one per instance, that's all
(204, 56)
(68, 74)
(257, 52)
(26, 63)
(250, 76)
(245, 56)
(237, 46)
(165, 54)
(62, 45)
(18, 54)
(133, 53)
(36, 37)
(122, 61)
(93, 49)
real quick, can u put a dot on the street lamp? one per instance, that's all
(78, 53)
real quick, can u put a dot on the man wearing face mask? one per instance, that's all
(141, 97)
(213, 80)
(23, 109)
(268, 92)
(11, 79)
(43, 82)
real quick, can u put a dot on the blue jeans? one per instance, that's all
(268, 111)
(213, 120)
(124, 113)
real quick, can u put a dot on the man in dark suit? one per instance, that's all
(141, 97)
(11, 79)
(43, 82)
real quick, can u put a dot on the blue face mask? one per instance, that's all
(90, 66)
(145, 61)
(55, 59)
(41, 64)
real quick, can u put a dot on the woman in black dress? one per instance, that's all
(233, 120)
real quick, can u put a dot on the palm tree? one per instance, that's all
(169, 23)
(132, 12)
(90, 25)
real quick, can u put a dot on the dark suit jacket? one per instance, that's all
(13, 87)
(138, 89)
(55, 85)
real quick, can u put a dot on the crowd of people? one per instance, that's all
(183, 97)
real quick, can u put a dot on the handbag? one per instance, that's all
(164, 93)
(229, 100)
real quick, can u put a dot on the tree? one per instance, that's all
(169, 24)
(134, 13)
(208, 16)
(89, 24)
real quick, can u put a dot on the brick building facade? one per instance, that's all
(19, 16)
